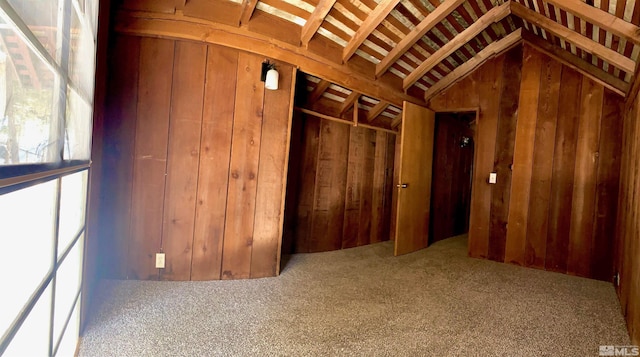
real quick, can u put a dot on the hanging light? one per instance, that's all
(269, 75)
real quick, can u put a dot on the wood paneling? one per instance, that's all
(215, 153)
(565, 165)
(150, 156)
(627, 264)
(340, 197)
(183, 159)
(504, 155)
(243, 170)
(193, 128)
(272, 174)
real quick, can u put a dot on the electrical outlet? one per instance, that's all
(493, 178)
(159, 260)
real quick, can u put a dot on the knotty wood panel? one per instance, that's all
(272, 174)
(503, 161)
(540, 190)
(563, 170)
(567, 163)
(194, 114)
(150, 160)
(346, 173)
(183, 159)
(330, 187)
(586, 170)
(523, 156)
(117, 164)
(366, 204)
(215, 153)
(243, 171)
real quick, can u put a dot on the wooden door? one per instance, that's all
(414, 191)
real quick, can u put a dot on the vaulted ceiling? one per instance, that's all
(378, 53)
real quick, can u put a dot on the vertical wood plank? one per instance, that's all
(607, 186)
(523, 157)
(353, 193)
(215, 153)
(272, 174)
(307, 177)
(388, 186)
(489, 84)
(117, 164)
(500, 196)
(396, 181)
(563, 170)
(183, 159)
(328, 213)
(243, 172)
(152, 129)
(584, 188)
(543, 154)
(364, 233)
(377, 201)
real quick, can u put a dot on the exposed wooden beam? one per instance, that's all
(177, 26)
(372, 21)
(567, 58)
(356, 113)
(320, 88)
(377, 110)
(248, 7)
(487, 53)
(595, 48)
(396, 121)
(343, 121)
(494, 15)
(600, 18)
(437, 15)
(315, 21)
(348, 103)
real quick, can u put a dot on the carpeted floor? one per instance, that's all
(362, 301)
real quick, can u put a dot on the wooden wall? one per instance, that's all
(553, 136)
(627, 262)
(341, 179)
(194, 163)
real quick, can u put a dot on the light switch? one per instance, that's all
(493, 177)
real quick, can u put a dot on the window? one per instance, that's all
(47, 64)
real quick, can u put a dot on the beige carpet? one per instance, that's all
(362, 301)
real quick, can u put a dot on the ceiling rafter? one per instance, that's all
(595, 48)
(317, 92)
(248, 7)
(598, 75)
(487, 53)
(315, 21)
(348, 103)
(494, 15)
(396, 121)
(372, 21)
(600, 18)
(437, 15)
(377, 110)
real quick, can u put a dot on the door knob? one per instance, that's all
(402, 185)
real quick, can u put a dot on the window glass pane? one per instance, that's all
(72, 203)
(67, 286)
(42, 18)
(32, 338)
(70, 340)
(77, 140)
(28, 120)
(82, 56)
(26, 243)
